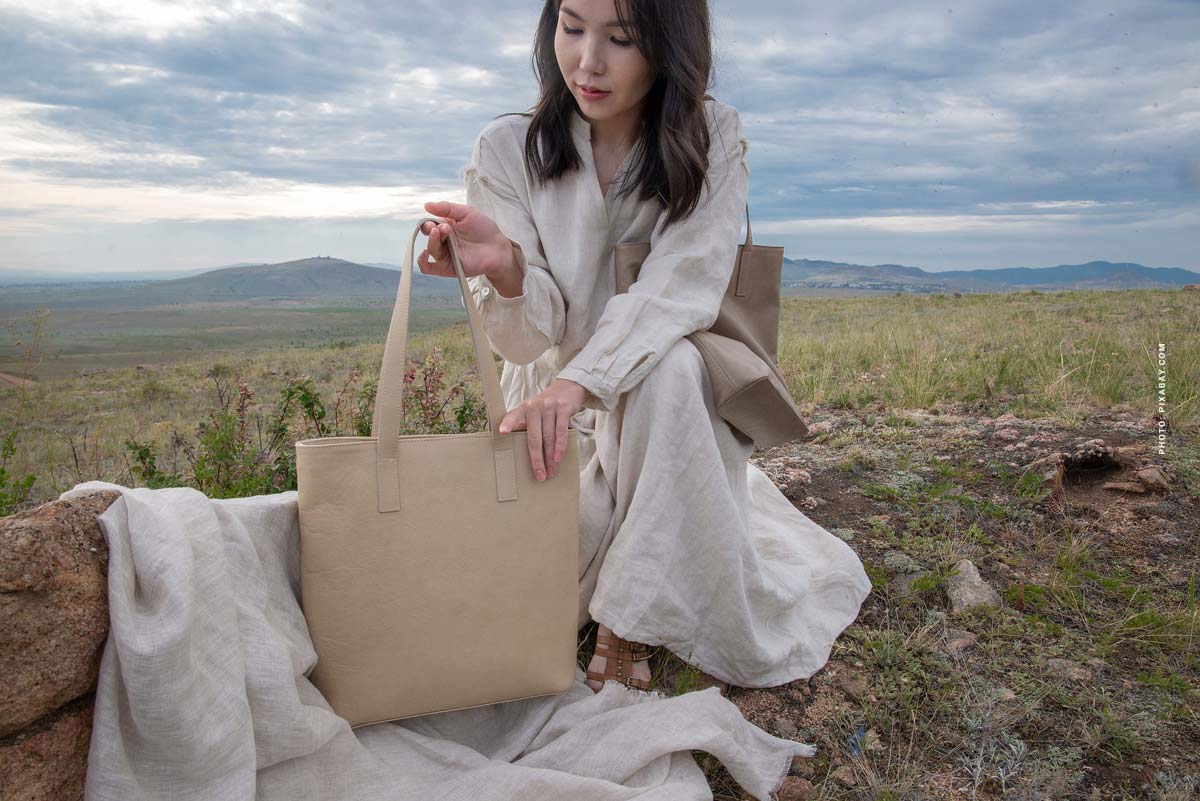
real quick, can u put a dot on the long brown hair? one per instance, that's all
(671, 158)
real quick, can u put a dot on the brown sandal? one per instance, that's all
(619, 657)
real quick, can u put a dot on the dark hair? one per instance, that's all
(671, 158)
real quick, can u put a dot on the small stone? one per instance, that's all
(903, 583)
(968, 588)
(844, 775)
(958, 640)
(794, 788)
(803, 767)
(1154, 478)
(853, 683)
(785, 728)
(870, 741)
(1123, 486)
(1008, 434)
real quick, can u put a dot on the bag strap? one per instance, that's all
(389, 399)
(738, 289)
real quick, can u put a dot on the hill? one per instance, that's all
(805, 274)
(316, 279)
(321, 279)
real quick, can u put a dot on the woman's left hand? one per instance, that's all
(545, 416)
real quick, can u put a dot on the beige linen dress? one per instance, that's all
(683, 542)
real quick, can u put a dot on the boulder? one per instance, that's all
(53, 626)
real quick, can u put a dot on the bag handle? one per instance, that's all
(749, 243)
(389, 398)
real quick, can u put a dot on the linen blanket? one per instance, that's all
(203, 692)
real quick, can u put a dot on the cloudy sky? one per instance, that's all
(145, 135)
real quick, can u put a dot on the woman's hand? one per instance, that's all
(545, 417)
(481, 244)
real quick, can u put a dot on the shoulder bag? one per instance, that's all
(436, 572)
(740, 349)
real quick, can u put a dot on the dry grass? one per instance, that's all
(908, 466)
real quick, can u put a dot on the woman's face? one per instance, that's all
(593, 53)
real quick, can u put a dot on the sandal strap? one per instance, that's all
(635, 651)
(615, 668)
(619, 656)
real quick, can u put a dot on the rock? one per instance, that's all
(958, 640)
(968, 588)
(803, 767)
(794, 788)
(822, 427)
(1066, 669)
(50, 762)
(844, 775)
(1008, 434)
(903, 583)
(53, 606)
(1123, 486)
(1046, 465)
(785, 728)
(853, 683)
(1090, 454)
(1154, 478)
(900, 562)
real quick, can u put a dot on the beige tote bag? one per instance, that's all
(436, 572)
(740, 349)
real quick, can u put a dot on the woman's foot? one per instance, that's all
(640, 670)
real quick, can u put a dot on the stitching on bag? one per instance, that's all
(411, 438)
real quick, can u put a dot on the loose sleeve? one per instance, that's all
(522, 328)
(681, 283)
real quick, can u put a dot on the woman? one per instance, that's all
(683, 543)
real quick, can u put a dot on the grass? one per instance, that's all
(1083, 684)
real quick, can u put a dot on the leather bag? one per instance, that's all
(740, 349)
(436, 572)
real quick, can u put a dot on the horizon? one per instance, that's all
(91, 277)
(154, 137)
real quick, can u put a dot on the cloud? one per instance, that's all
(955, 121)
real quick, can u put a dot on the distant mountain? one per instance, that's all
(314, 280)
(805, 274)
(310, 279)
(15, 277)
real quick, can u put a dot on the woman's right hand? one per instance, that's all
(482, 246)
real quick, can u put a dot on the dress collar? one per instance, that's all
(581, 129)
